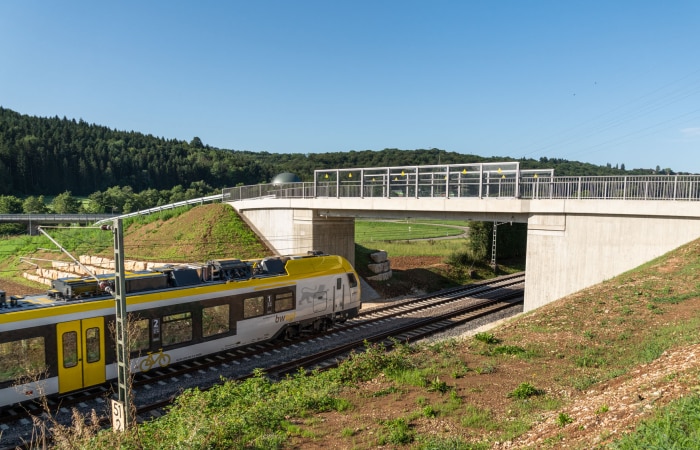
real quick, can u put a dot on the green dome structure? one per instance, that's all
(286, 177)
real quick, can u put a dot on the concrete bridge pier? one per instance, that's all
(290, 231)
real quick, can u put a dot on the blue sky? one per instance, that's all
(595, 81)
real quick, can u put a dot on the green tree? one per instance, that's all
(65, 203)
(177, 194)
(33, 204)
(196, 142)
(480, 236)
(511, 240)
(9, 204)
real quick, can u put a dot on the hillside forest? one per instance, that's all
(124, 171)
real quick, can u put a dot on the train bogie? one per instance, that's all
(61, 342)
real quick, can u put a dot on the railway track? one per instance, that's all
(406, 320)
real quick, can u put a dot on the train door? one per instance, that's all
(81, 353)
(352, 288)
(339, 295)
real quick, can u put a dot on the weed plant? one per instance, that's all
(395, 432)
(525, 391)
(564, 419)
(487, 338)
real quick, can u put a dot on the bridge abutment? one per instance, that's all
(568, 252)
(292, 231)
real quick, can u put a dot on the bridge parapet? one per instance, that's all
(483, 180)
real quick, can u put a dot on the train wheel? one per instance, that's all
(322, 325)
(290, 333)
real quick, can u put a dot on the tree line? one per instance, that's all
(50, 156)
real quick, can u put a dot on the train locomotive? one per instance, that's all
(61, 342)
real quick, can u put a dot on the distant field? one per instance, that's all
(373, 231)
(408, 238)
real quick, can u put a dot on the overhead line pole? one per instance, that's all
(121, 409)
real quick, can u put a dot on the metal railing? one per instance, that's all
(143, 212)
(42, 218)
(485, 180)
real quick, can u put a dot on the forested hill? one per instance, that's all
(49, 156)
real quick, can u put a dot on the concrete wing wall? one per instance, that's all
(567, 253)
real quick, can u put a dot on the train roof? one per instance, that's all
(237, 273)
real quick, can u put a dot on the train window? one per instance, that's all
(215, 320)
(352, 280)
(177, 328)
(70, 349)
(92, 344)
(284, 301)
(138, 340)
(22, 358)
(253, 307)
(339, 283)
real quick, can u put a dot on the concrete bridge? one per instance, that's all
(581, 230)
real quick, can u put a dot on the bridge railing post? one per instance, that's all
(447, 181)
(578, 191)
(675, 186)
(416, 185)
(362, 183)
(481, 181)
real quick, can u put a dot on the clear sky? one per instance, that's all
(599, 81)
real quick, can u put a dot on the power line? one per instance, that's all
(639, 107)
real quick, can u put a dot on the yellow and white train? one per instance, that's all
(60, 341)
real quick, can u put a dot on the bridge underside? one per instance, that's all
(571, 244)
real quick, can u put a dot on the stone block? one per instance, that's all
(379, 267)
(378, 257)
(381, 277)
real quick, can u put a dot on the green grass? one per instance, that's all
(17, 253)
(675, 426)
(417, 248)
(367, 232)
